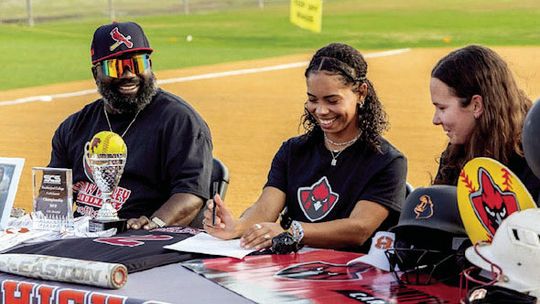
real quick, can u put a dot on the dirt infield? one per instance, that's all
(250, 115)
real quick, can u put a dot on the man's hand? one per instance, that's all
(141, 222)
(179, 210)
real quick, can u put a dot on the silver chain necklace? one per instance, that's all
(342, 144)
(345, 145)
(334, 157)
(109, 122)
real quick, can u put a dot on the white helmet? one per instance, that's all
(513, 256)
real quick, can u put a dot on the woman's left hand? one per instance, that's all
(260, 235)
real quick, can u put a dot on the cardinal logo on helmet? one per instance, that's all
(317, 200)
(492, 205)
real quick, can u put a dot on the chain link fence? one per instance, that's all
(31, 11)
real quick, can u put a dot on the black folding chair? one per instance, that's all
(220, 174)
(408, 189)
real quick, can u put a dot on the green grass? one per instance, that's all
(58, 51)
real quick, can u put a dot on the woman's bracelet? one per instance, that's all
(297, 231)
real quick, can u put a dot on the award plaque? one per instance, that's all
(53, 199)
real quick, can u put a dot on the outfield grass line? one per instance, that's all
(49, 98)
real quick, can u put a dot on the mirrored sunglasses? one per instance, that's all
(115, 67)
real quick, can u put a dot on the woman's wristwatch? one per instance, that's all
(291, 226)
(285, 220)
(297, 231)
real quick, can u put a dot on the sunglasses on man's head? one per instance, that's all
(115, 67)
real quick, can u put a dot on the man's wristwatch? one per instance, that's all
(159, 222)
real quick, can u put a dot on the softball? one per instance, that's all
(106, 142)
(189, 38)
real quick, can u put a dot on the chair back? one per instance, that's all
(220, 175)
(408, 189)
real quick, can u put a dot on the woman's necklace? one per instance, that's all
(109, 122)
(342, 144)
(345, 145)
(335, 156)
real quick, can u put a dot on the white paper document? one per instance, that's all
(207, 244)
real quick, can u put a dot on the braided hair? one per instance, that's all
(345, 61)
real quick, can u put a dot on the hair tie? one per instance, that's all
(361, 79)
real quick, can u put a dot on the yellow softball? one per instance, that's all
(106, 142)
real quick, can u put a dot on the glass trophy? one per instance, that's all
(52, 199)
(106, 171)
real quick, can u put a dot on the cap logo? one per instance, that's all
(384, 242)
(120, 39)
(424, 209)
(478, 294)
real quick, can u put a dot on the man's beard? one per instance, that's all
(123, 104)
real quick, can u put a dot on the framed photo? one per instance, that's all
(10, 174)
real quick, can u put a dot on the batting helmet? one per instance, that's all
(428, 236)
(531, 144)
(513, 257)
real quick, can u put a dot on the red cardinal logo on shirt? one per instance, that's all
(317, 201)
(492, 205)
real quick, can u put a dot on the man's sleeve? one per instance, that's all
(59, 155)
(189, 162)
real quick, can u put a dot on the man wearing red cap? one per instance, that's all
(167, 174)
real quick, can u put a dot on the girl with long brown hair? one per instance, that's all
(481, 109)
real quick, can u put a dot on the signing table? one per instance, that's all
(313, 276)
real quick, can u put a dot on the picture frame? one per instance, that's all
(10, 174)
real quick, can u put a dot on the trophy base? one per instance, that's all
(101, 225)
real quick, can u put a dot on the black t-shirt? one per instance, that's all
(138, 250)
(316, 191)
(169, 151)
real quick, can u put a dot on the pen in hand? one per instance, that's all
(215, 188)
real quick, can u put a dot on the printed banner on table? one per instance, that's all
(307, 14)
(316, 276)
(24, 292)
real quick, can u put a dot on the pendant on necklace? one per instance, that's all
(334, 157)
